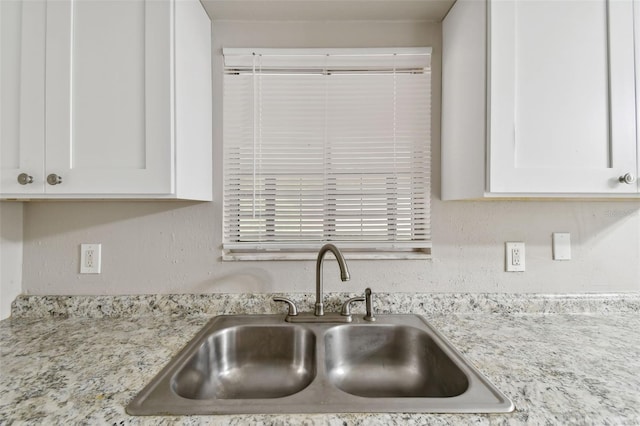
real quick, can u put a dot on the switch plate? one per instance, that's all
(561, 246)
(514, 257)
(90, 258)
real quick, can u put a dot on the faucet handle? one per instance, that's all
(293, 311)
(346, 306)
(368, 296)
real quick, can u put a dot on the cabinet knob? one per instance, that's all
(24, 179)
(54, 179)
(628, 178)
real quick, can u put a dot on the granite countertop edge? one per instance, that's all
(105, 306)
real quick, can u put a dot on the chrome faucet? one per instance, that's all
(318, 315)
(344, 274)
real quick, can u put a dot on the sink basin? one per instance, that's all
(243, 364)
(386, 361)
(249, 361)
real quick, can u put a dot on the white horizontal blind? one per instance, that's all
(327, 151)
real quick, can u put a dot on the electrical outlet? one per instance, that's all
(90, 258)
(514, 257)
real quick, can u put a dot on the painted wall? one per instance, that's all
(10, 255)
(175, 247)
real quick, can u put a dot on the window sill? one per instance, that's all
(271, 256)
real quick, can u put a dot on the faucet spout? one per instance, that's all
(344, 274)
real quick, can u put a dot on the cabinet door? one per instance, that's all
(22, 38)
(561, 96)
(636, 10)
(108, 96)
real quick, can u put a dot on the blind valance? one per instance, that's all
(329, 59)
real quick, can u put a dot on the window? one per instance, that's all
(326, 145)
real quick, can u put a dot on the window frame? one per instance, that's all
(306, 59)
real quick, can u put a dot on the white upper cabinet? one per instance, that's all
(539, 99)
(127, 102)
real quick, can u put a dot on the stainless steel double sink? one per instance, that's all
(262, 364)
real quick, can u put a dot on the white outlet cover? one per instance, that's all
(90, 258)
(561, 246)
(514, 257)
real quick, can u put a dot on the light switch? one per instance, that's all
(561, 246)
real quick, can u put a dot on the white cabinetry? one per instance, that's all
(22, 56)
(538, 99)
(117, 101)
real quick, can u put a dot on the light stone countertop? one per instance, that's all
(72, 365)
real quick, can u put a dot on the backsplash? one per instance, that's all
(384, 303)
